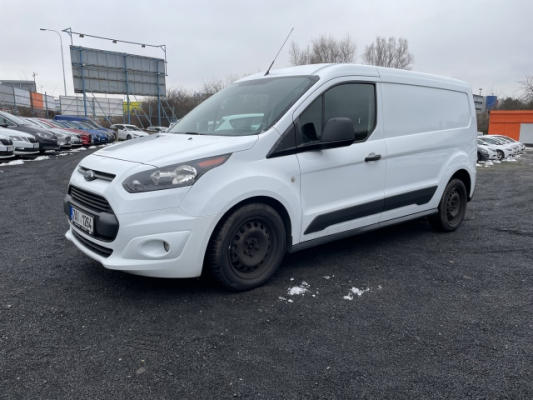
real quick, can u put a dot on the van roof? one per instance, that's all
(330, 71)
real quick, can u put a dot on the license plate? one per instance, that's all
(82, 220)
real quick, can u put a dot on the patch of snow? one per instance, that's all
(496, 162)
(92, 147)
(478, 165)
(510, 159)
(326, 277)
(354, 290)
(40, 158)
(296, 290)
(83, 149)
(62, 154)
(16, 162)
(487, 163)
(289, 301)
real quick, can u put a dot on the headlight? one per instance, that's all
(45, 135)
(172, 176)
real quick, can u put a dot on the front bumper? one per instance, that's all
(139, 246)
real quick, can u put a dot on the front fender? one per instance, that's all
(240, 179)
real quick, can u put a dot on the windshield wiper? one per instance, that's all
(189, 133)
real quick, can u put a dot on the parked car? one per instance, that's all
(515, 146)
(85, 138)
(100, 136)
(503, 150)
(91, 123)
(46, 139)
(6, 147)
(64, 139)
(94, 138)
(332, 157)
(485, 153)
(127, 132)
(24, 143)
(507, 139)
(155, 129)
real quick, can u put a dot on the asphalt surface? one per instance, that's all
(439, 316)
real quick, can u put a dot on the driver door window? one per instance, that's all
(350, 100)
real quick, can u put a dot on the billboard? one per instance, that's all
(101, 71)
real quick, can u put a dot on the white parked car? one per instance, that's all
(507, 139)
(127, 132)
(6, 146)
(486, 153)
(504, 150)
(340, 149)
(24, 143)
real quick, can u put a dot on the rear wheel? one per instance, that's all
(452, 207)
(247, 248)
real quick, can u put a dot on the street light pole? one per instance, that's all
(62, 59)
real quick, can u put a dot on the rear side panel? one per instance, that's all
(430, 133)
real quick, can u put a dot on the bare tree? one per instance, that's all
(299, 56)
(527, 87)
(324, 49)
(390, 53)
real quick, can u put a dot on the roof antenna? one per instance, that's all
(268, 70)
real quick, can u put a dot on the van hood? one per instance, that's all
(162, 149)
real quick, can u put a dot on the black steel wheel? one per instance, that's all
(452, 207)
(247, 247)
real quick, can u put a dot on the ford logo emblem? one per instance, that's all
(89, 175)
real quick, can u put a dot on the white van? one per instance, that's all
(327, 151)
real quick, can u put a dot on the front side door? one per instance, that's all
(342, 189)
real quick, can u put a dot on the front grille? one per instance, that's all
(96, 248)
(90, 200)
(98, 174)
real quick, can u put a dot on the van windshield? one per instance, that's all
(245, 108)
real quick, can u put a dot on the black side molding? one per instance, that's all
(418, 197)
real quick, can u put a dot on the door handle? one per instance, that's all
(372, 157)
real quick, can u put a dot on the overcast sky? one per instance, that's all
(486, 43)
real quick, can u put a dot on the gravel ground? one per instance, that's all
(399, 313)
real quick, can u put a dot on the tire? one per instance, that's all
(501, 156)
(478, 158)
(247, 248)
(128, 137)
(452, 207)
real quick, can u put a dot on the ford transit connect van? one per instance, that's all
(275, 164)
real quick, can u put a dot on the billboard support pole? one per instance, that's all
(83, 84)
(127, 89)
(159, 96)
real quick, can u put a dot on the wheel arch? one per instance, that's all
(465, 177)
(270, 201)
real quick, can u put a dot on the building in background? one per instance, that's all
(24, 85)
(515, 124)
(484, 104)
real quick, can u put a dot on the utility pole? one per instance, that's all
(34, 75)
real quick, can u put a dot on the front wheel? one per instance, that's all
(452, 207)
(128, 137)
(248, 247)
(500, 154)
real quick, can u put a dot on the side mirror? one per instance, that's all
(4, 125)
(338, 132)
